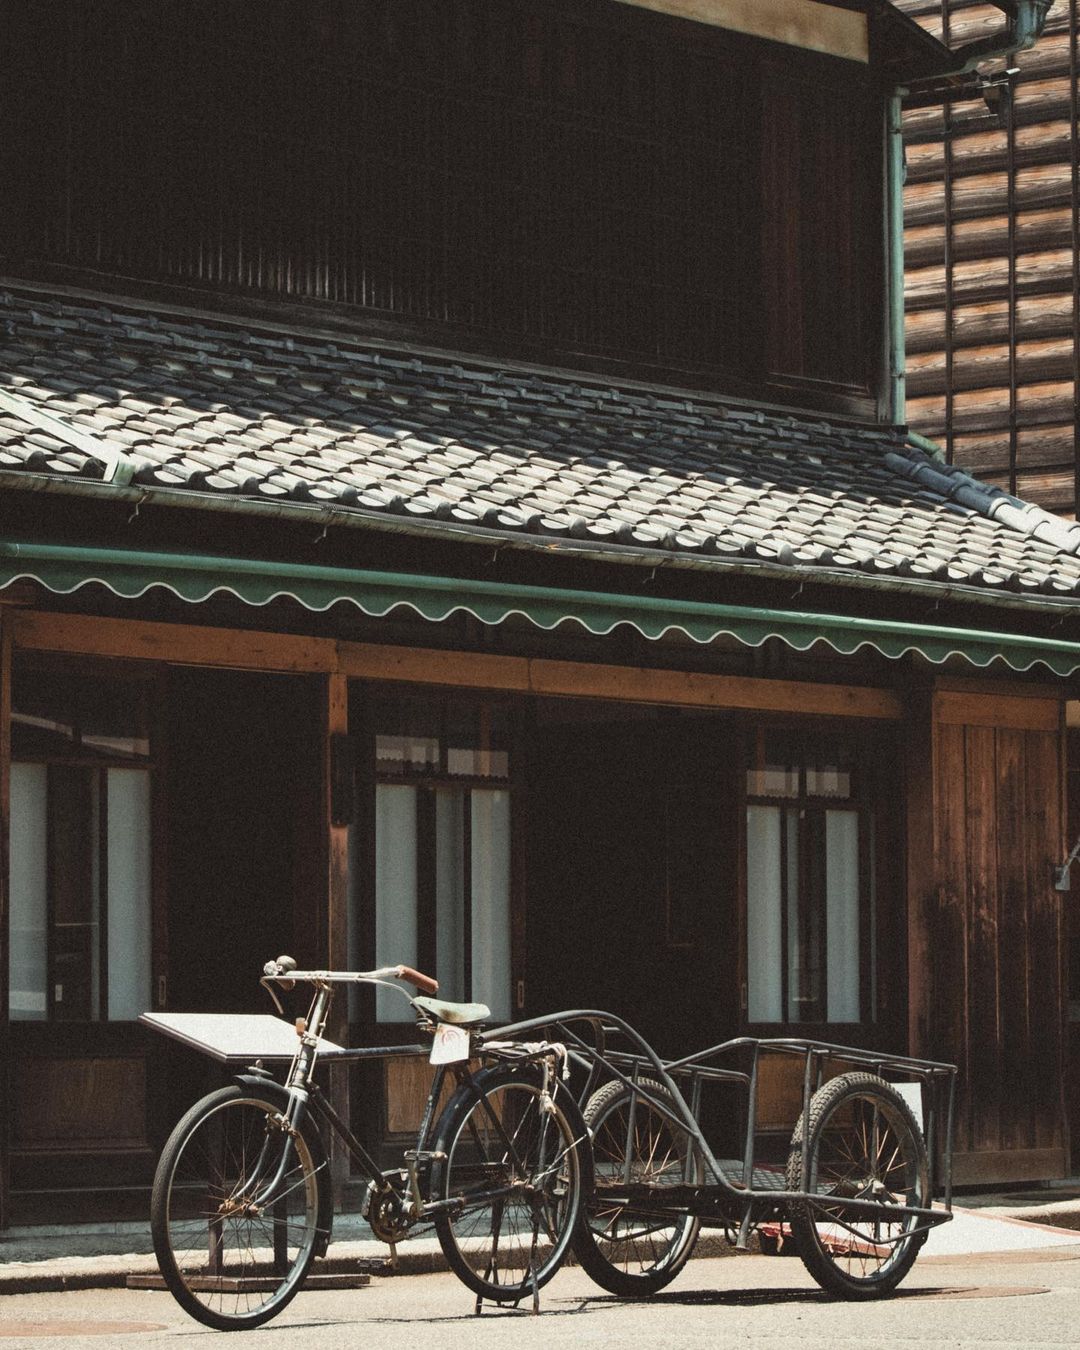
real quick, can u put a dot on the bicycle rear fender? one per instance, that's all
(266, 1086)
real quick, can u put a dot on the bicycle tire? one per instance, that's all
(633, 1253)
(497, 1135)
(233, 1264)
(862, 1141)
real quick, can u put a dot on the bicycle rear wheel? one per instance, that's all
(516, 1165)
(232, 1247)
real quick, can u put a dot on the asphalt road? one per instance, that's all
(1033, 1300)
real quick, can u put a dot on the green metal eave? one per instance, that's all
(196, 577)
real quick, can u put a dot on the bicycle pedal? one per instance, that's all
(416, 1155)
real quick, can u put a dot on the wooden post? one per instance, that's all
(336, 723)
(5, 828)
(921, 872)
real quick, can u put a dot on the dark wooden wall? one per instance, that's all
(992, 244)
(986, 934)
(584, 181)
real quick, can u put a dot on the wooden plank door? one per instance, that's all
(986, 930)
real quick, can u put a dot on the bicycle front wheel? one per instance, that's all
(234, 1211)
(514, 1163)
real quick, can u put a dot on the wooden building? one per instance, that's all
(452, 510)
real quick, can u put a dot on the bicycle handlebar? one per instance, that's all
(284, 972)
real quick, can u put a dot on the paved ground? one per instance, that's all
(102, 1256)
(999, 1301)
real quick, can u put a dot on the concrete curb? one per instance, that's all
(421, 1257)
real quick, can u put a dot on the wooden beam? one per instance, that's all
(998, 710)
(799, 23)
(690, 689)
(175, 643)
(184, 644)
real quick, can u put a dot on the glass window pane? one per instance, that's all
(806, 958)
(395, 891)
(128, 831)
(477, 741)
(43, 720)
(406, 736)
(450, 893)
(74, 840)
(55, 714)
(773, 771)
(772, 780)
(763, 913)
(29, 870)
(114, 718)
(490, 863)
(828, 780)
(828, 769)
(842, 913)
(406, 754)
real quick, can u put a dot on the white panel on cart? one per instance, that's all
(231, 1036)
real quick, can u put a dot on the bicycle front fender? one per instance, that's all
(273, 1091)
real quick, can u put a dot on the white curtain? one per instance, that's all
(842, 914)
(29, 897)
(763, 926)
(395, 890)
(129, 893)
(450, 892)
(490, 863)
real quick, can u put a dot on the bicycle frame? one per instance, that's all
(305, 1096)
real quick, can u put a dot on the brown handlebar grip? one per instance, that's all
(423, 982)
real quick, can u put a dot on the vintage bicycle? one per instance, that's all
(242, 1200)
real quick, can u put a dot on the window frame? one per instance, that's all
(365, 699)
(28, 664)
(877, 902)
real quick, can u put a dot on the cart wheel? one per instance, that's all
(864, 1143)
(627, 1251)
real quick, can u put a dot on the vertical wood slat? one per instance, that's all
(922, 896)
(950, 936)
(5, 830)
(1014, 989)
(983, 1011)
(336, 722)
(1045, 847)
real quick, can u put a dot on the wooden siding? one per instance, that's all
(584, 182)
(992, 227)
(986, 926)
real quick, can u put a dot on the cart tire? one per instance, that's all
(864, 1141)
(243, 1272)
(498, 1132)
(627, 1253)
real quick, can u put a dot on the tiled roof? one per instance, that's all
(212, 406)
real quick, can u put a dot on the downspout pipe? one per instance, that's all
(1027, 19)
(895, 254)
